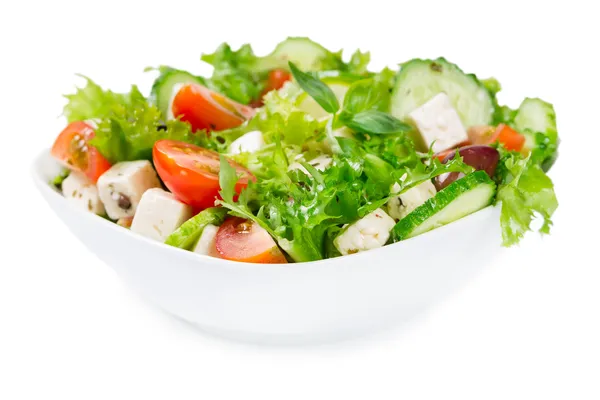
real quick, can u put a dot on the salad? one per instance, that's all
(301, 155)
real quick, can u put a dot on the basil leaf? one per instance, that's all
(374, 122)
(316, 89)
(367, 94)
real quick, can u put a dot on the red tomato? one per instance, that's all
(510, 138)
(71, 148)
(504, 134)
(192, 172)
(205, 109)
(242, 240)
(277, 78)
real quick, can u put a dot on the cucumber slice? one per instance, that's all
(461, 198)
(306, 54)
(535, 116)
(311, 107)
(186, 236)
(163, 87)
(419, 80)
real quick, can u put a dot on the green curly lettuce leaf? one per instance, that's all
(92, 102)
(524, 191)
(128, 125)
(235, 74)
(305, 211)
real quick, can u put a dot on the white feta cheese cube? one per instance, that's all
(367, 233)
(321, 163)
(403, 204)
(207, 243)
(82, 192)
(247, 143)
(439, 123)
(122, 187)
(159, 214)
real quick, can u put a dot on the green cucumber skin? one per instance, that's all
(186, 236)
(305, 53)
(162, 88)
(535, 116)
(442, 76)
(405, 228)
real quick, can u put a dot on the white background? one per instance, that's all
(526, 328)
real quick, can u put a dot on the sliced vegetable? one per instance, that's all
(166, 85)
(186, 236)
(536, 120)
(312, 155)
(420, 80)
(204, 109)
(511, 139)
(306, 54)
(242, 240)
(192, 172)
(461, 198)
(73, 150)
(277, 78)
(484, 134)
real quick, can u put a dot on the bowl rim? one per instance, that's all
(47, 190)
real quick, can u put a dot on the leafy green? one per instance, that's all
(536, 119)
(375, 122)
(492, 85)
(525, 190)
(396, 149)
(365, 95)
(127, 124)
(358, 64)
(234, 73)
(91, 102)
(365, 108)
(305, 209)
(285, 129)
(304, 212)
(228, 179)
(130, 130)
(316, 89)
(503, 115)
(186, 236)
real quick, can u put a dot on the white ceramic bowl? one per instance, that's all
(317, 301)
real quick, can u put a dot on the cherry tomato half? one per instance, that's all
(204, 109)
(275, 81)
(277, 78)
(241, 240)
(71, 148)
(192, 172)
